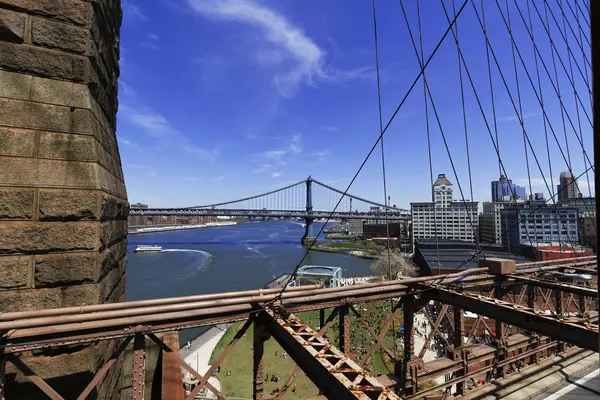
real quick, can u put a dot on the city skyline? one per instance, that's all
(244, 96)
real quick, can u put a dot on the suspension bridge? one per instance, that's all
(293, 201)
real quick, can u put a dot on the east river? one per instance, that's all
(209, 260)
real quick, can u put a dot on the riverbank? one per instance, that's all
(168, 228)
(356, 250)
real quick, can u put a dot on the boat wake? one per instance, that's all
(190, 251)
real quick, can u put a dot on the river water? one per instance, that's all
(210, 260)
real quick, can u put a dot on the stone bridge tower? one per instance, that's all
(63, 205)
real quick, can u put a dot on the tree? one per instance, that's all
(393, 266)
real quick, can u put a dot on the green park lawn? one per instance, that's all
(351, 245)
(239, 361)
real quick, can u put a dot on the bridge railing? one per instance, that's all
(443, 298)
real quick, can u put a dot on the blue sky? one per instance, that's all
(220, 99)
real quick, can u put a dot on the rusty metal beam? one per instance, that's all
(564, 287)
(36, 380)
(168, 352)
(139, 367)
(102, 371)
(333, 372)
(215, 365)
(519, 316)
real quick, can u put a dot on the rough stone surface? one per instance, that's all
(111, 231)
(64, 93)
(32, 237)
(68, 205)
(110, 257)
(74, 11)
(37, 299)
(47, 173)
(16, 142)
(42, 62)
(65, 269)
(58, 35)
(64, 146)
(12, 26)
(14, 272)
(43, 116)
(113, 208)
(13, 85)
(16, 203)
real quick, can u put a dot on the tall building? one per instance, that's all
(567, 189)
(444, 218)
(490, 223)
(531, 223)
(504, 190)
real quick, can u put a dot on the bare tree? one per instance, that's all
(394, 266)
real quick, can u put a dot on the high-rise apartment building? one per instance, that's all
(504, 190)
(490, 223)
(567, 189)
(444, 218)
(533, 223)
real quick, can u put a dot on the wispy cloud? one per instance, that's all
(201, 152)
(284, 47)
(329, 128)
(133, 11)
(510, 118)
(151, 42)
(142, 168)
(276, 174)
(277, 155)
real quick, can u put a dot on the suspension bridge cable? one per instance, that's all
(581, 36)
(579, 41)
(546, 28)
(356, 197)
(426, 101)
(520, 116)
(539, 83)
(496, 147)
(580, 138)
(520, 110)
(540, 100)
(584, 15)
(440, 127)
(564, 37)
(385, 196)
(464, 112)
(406, 95)
(556, 86)
(248, 198)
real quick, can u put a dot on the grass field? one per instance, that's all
(239, 361)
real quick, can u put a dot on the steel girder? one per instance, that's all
(523, 317)
(338, 376)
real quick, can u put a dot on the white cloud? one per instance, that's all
(132, 11)
(201, 152)
(151, 42)
(275, 174)
(510, 118)
(284, 46)
(276, 156)
(329, 128)
(143, 168)
(154, 124)
(219, 178)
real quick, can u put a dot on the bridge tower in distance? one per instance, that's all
(308, 237)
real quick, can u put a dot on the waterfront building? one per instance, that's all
(504, 190)
(444, 217)
(534, 223)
